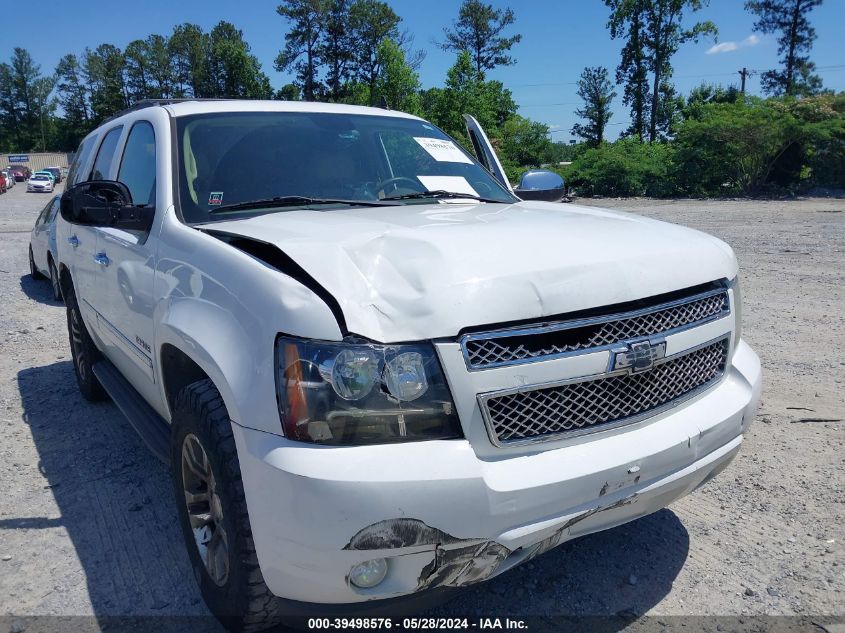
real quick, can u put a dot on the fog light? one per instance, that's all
(369, 573)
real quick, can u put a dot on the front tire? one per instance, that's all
(83, 351)
(213, 512)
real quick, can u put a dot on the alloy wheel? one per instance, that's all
(205, 510)
(78, 343)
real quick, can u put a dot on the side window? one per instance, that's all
(82, 154)
(105, 154)
(42, 217)
(138, 166)
(54, 210)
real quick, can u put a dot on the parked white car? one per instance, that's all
(42, 247)
(374, 370)
(40, 183)
(10, 178)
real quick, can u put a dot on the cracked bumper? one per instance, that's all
(443, 517)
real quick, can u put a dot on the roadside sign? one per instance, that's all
(18, 158)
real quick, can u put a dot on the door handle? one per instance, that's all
(73, 241)
(102, 259)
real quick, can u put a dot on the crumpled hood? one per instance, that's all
(415, 272)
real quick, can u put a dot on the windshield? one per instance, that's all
(234, 158)
(40, 177)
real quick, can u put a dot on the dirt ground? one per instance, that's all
(88, 523)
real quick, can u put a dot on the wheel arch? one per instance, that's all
(195, 341)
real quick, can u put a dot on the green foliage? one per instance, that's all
(627, 167)
(478, 30)
(789, 20)
(397, 82)
(305, 20)
(525, 142)
(753, 146)
(655, 31)
(466, 91)
(597, 92)
(25, 110)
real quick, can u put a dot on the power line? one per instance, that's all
(727, 74)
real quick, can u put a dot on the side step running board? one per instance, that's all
(153, 429)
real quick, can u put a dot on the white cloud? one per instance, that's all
(723, 47)
(727, 47)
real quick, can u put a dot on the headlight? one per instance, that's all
(737, 293)
(355, 392)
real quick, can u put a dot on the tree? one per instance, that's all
(626, 20)
(103, 69)
(789, 19)
(478, 30)
(135, 58)
(525, 142)
(26, 110)
(300, 53)
(654, 33)
(371, 21)
(187, 48)
(160, 67)
(73, 97)
(708, 93)
(664, 35)
(233, 71)
(337, 47)
(466, 91)
(398, 84)
(595, 89)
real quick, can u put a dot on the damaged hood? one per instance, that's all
(414, 272)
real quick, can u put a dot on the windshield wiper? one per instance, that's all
(440, 193)
(290, 201)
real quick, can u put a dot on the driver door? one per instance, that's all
(484, 151)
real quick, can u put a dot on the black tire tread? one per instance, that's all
(261, 608)
(91, 390)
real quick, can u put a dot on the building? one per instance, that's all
(36, 160)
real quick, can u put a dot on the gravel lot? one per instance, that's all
(88, 525)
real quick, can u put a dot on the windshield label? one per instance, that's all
(442, 151)
(455, 184)
(215, 198)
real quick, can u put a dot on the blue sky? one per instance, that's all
(560, 37)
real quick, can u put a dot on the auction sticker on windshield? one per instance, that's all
(443, 151)
(456, 184)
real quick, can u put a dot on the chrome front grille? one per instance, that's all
(533, 343)
(595, 404)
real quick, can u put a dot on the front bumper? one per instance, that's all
(444, 517)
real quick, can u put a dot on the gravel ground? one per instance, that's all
(88, 525)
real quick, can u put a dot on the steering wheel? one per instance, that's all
(384, 184)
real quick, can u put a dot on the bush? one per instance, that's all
(624, 168)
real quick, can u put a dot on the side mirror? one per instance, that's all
(541, 184)
(105, 203)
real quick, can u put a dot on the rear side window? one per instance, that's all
(106, 154)
(138, 166)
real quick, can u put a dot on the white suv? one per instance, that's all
(375, 371)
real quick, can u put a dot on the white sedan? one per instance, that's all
(42, 247)
(40, 183)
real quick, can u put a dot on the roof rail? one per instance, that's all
(149, 103)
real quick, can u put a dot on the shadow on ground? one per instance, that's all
(38, 289)
(115, 501)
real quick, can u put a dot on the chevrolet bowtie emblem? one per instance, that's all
(637, 356)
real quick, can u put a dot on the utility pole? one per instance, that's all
(743, 74)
